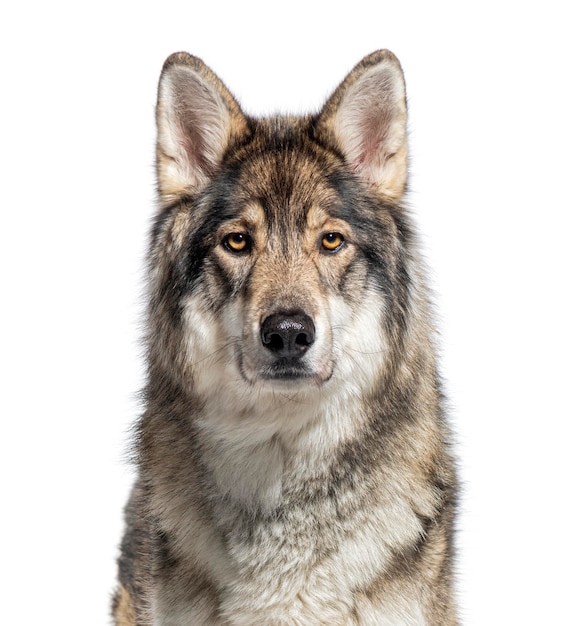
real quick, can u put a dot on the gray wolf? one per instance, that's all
(294, 461)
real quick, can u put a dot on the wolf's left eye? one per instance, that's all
(332, 241)
(237, 242)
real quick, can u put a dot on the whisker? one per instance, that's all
(233, 341)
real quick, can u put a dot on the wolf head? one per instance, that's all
(281, 257)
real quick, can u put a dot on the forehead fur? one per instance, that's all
(284, 169)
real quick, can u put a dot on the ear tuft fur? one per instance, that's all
(197, 117)
(367, 119)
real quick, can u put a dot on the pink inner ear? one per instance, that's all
(191, 140)
(196, 118)
(370, 125)
(196, 114)
(199, 121)
(374, 135)
(375, 108)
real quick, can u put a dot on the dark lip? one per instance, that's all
(284, 373)
(286, 376)
(292, 376)
(290, 372)
(285, 369)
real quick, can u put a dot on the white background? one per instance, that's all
(486, 85)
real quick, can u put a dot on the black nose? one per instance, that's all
(288, 334)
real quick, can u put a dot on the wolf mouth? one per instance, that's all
(289, 371)
(286, 370)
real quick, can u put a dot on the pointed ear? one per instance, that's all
(197, 118)
(366, 120)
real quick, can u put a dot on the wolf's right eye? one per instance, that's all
(332, 242)
(237, 242)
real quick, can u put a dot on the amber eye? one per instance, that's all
(332, 241)
(237, 242)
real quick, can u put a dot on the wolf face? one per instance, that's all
(281, 266)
